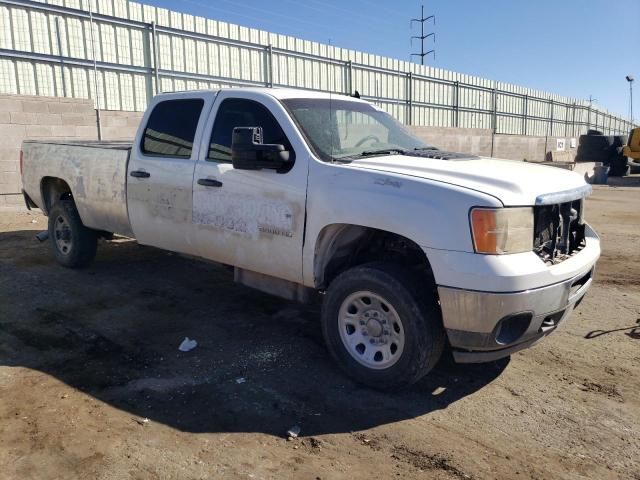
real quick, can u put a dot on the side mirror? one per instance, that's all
(249, 153)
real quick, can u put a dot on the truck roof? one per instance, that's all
(276, 92)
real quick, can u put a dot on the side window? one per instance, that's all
(172, 127)
(236, 112)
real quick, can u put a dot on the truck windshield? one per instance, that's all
(343, 130)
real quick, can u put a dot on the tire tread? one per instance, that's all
(85, 240)
(425, 320)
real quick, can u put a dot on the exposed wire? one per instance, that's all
(243, 15)
(355, 15)
(388, 11)
(263, 12)
(267, 12)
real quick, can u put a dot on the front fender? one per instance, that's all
(431, 214)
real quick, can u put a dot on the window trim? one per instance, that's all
(208, 159)
(195, 133)
(310, 144)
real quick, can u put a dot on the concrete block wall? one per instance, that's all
(536, 149)
(118, 125)
(33, 117)
(26, 117)
(477, 141)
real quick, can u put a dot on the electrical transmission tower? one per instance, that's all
(422, 35)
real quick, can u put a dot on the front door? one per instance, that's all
(250, 219)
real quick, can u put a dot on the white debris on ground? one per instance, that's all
(293, 432)
(438, 391)
(265, 355)
(187, 345)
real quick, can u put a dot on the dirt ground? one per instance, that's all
(92, 384)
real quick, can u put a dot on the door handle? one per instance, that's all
(140, 174)
(209, 182)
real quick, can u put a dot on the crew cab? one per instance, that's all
(306, 195)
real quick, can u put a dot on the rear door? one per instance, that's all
(160, 172)
(253, 219)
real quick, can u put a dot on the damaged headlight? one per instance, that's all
(502, 230)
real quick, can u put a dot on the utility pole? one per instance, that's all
(95, 73)
(630, 79)
(591, 100)
(422, 35)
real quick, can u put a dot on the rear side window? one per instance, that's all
(236, 112)
(172, 127)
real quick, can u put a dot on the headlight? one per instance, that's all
(502, 230)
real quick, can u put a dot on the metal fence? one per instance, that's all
(121, 53)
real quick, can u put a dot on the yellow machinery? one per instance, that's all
(632, 149)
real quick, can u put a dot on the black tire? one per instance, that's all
(593, 148)
(78, 244)
(599, 148)
(617, 141)
(412, 298)
(618, 165)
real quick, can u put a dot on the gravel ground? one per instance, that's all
(93, 385)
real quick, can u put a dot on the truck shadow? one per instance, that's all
(112, 331)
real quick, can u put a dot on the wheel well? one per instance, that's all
(54, 189)
(343, 246)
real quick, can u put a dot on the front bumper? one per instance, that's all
(491, 325)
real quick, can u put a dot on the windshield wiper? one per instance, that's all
(426, 148)
(383, 151)
(369, 153)
(347, 159)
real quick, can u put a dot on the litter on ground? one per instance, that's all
(187, 345)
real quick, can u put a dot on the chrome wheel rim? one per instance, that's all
(371, 330)
(62, 235)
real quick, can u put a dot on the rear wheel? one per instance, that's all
(73, 244)
(382, 325)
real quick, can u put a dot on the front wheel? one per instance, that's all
(382, 324)
(73, 244)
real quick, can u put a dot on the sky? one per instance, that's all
(575, 48)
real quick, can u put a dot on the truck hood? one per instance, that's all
(512, 182)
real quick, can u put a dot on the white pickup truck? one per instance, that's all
(412, 249)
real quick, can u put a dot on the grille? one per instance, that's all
(558, 231)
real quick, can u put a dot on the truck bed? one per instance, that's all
(108, 144)
(96, 173)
